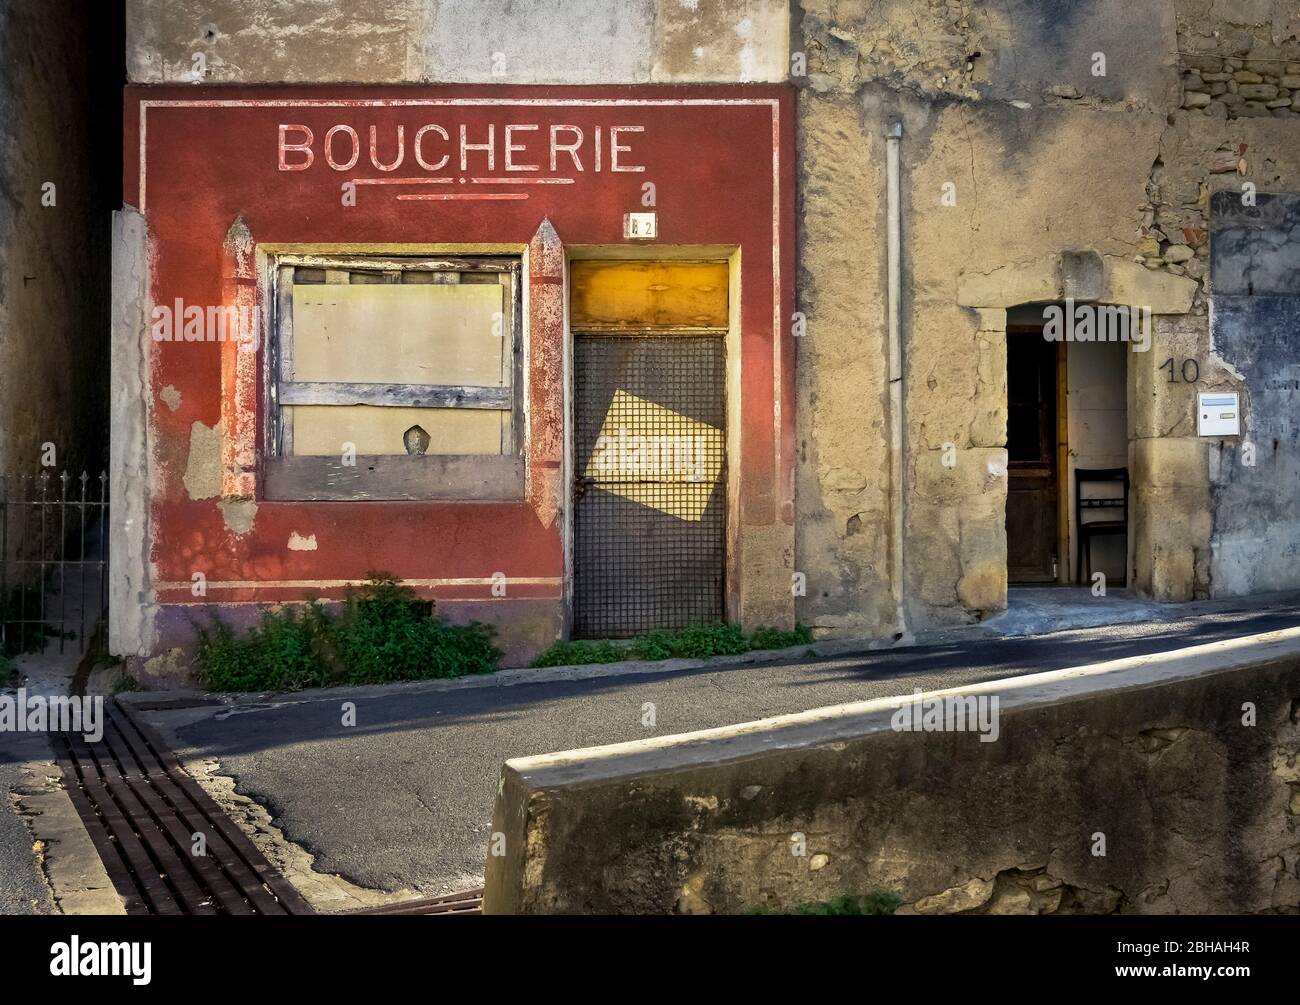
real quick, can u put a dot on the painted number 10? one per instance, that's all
(1190, 368)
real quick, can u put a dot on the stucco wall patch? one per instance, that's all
(299, 543)
(202, 477)
(238, 514)
(131, 607)
(457, 41)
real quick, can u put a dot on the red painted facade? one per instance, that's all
(721, 160)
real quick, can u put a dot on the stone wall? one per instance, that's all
(54, 241)
(456, 41)
(1202, 161)
(1240, 60)
(1145, 786)
(1255, 540)
(1016, 153)
(1013, 153)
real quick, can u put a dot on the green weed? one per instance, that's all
(382, 633)
(877, 902)
(695, 642)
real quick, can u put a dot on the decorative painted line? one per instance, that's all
(401, 181)
(453, 599)
(523, 181)
(481, 196)
(778, 330)
(417, 102)
(286, 584)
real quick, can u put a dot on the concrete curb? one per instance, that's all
(826, 649)
(839, 723)
(69, 862)
(502, 678)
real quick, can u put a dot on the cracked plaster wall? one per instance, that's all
(54, 259)
(1044, 158)
(457, 41)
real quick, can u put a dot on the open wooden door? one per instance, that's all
(1032, 477)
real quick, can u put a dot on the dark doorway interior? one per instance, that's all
(1032, 482)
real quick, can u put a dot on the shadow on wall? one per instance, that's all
(1255, 283)
(61, 116)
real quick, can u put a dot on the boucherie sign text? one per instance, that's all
(510, 151)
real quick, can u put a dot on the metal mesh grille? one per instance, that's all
(650, 493)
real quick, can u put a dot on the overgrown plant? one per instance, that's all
(381, 633)
(695, 642)
(580, 651)
(877, 902)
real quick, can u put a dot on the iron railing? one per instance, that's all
(53, 562)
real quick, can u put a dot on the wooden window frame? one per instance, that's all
(431, 477)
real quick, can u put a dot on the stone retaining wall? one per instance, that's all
(1160, 784)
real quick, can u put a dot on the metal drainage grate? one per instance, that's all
(143, 811)
(467, 902)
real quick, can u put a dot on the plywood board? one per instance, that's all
(321, 430)
(398, 333)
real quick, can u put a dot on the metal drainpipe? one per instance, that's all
(893, 137)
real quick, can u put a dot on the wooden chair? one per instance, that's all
(1105, 506)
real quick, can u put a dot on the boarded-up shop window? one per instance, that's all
(395, 379)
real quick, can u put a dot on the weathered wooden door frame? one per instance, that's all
(731, 255)
(1062, 463)
(1061, 449)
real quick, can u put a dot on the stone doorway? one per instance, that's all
(1033, 475)
(1006, 295)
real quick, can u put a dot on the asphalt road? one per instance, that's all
(404, 797)
(23, 889)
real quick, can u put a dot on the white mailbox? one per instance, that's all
(1218, 415)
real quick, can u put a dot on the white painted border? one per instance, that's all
(773, 104)
(839, 724)
(257, 584)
